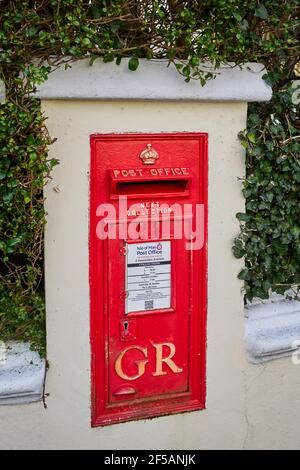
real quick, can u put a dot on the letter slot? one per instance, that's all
(154, 187)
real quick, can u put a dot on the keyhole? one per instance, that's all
(125, 327)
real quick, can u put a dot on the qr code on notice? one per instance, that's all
(149, 304)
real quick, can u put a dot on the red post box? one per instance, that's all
(148, 219)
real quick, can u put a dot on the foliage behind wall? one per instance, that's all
(37, 36)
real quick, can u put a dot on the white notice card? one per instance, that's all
(148, 276)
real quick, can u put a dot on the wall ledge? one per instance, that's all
(272, 329)
(22, 374)
(153, 80)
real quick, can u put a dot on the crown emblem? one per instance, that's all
(149, 156)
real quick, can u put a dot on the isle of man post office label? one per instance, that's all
(148, 276)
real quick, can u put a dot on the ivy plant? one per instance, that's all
(270, 228)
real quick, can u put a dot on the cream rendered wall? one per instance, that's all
(244, 403)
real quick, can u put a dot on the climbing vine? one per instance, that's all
(270, 228)
(38, 36)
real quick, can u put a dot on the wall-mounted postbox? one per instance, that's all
(147, 274)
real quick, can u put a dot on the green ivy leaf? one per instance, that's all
(251, 137)
(237, 16)
(7, 197)
(133, 63)
(261, 12)
(30, 32)
(243, 217)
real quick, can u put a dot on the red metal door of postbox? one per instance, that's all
(148, 291)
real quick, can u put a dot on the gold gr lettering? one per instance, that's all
(141, 364)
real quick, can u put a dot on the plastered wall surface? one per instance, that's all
(247, 406)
